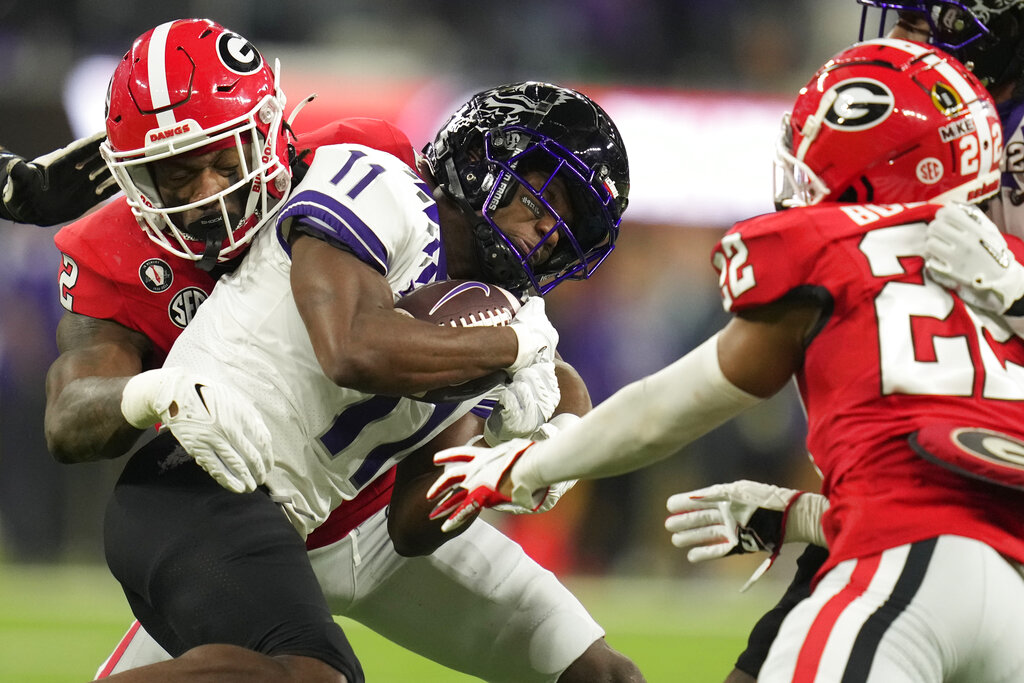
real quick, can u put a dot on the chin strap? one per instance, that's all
(496, 259)
(209, 259)
(212, 227)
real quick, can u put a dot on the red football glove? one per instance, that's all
(472, 479)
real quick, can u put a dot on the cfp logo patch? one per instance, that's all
(859, 104)
(945, 99)
(156, 275)
(184, 305)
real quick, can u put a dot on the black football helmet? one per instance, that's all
(478, 159)
(986, 35)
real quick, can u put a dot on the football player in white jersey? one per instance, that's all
(56, 187)
(531, 180)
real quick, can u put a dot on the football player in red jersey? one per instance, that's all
(964, 251)
(129, 291)
(925, 566)
(56, 187)
(242, 198)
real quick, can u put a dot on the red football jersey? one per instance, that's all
(111, 270)
(894, 352)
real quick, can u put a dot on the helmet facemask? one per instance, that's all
(263, 181)
(583, 240)
(795, 183)
(951, 24)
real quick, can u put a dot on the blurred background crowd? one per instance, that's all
(697, 88)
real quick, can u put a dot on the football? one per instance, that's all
(461, 303)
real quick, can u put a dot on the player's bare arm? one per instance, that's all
(412, 532)
(360, 340)
(575, 397)
(779, 331)
(83, 419)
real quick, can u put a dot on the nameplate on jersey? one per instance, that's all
(983, 454)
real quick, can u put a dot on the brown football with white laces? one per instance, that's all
(461, 303)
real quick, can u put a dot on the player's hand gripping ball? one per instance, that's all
(461, 303)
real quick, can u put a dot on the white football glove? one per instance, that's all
(744, 517)
(524, 404)
(216, 425)
(471, 479)
(965, 252)
(537, 336)
(56, 187)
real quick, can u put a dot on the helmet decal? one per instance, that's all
(929, 170)
(946, 99)
(859, 104)
(238, 54)
(957, 129)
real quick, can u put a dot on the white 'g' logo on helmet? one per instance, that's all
(859, 104)
(238, 54)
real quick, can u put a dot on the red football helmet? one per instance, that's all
(888, 121)
(186, 87)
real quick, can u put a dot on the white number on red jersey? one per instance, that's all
(67, 280)
(735, 276)
(952, 372)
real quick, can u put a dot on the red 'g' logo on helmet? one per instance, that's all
(238, 54)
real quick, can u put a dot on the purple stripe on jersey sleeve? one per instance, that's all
(376, 458)
(433, 273)
(484, 408)
(351, 421)
(338, 221)
(425, 189)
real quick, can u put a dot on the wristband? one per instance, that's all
(140, 398)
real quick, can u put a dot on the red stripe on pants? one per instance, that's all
(119, 651)
(809, 659)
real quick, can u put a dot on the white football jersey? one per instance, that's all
(328, 441)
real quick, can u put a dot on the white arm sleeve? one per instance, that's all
(640, 424)
(803, 523)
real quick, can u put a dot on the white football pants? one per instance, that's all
(945, 610)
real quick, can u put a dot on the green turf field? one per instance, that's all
(58, 622)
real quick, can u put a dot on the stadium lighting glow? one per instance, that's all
(696, 158)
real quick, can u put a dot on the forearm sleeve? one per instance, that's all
(640, 424)
(803, 521)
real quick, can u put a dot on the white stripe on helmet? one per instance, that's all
(158, 75)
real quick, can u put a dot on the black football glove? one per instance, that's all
(57, 187)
